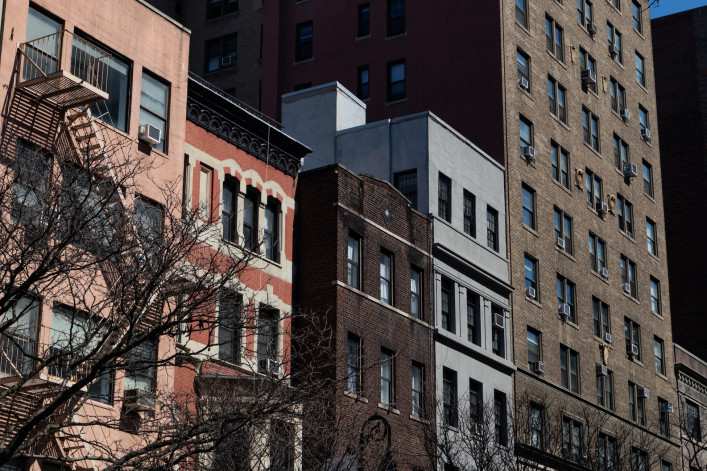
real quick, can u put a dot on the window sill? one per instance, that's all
(560, 122)
(562, 187)
(570, 324)
(615, 60)
(419, 419)
(359, 38)
(605, 280)
(303, 61)
(625, 121)
(533, 301)
(557, 59)
(662, 376)
(395, 102)
(356, 397)
(627, 295)
(396, 36)
(524, 28)
(147, 149)
(649, 197)
(389, 407)
(531, 230)
(565, 253)
(642, 86)
(601, 342)
(592, 149)
(592, 36)
(653, 256)
(627, 236)
(526, 92)
(220, 17)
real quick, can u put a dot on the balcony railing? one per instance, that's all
(16, 351)
(64, 69)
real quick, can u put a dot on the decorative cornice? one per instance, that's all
(208, 119)
(693, 383)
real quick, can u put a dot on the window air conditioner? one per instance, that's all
(604, 272)
(602, 370)
(560, 243)
(630, 170)
(150, 134)
(498, 320)
(614, 50)
(589, 77)
(646, 134)
(643, 393)
(528, 152)
(273, 367)
(524, 83)
(591, 27)
(627, 288)
(478, 429)
(537, 367)
(227, 60)
(607, 337)
(530, 292)
(564, 310)
(625, 114)
(666, 407)
(602, 207)
(634, 349)
(139, 399)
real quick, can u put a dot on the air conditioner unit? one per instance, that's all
(273, 367)
(646, 134)
(478, 428)
(564, 310)
(524, 83)
(560, 242)
(139, 399)
(602, 370)
(528, 152)
(630, 170)
(591, 27)
(607, 337)
(604, 272)
(634, 349)
(498, 320)
(530, 292)
(614, 50)
(589, 77)
(643, 393)
(227, 60)
(627, 288)
(625, 114)
(150, 134)
(537, 367)
(602, 207)
(666, 407)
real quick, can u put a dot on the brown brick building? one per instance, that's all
(364, 260)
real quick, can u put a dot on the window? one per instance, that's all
(444, 207)
(628, 276)
(536, 425)
(221, 53)
(268, 337)
(282, 449)
(621, 156)
(40, 25)
(30, 195)
(531, 275)
(554, 39)
(354, 361)
(569, 369)
(647, 179)
(469, 213)
(522, 12)
(557, 98)
(140, 371)
(526, 133)
(616, 4)
(406, 182)
(304, 41)
(655, 296)
(148, 223)
(587, 62)
(636, 404)
(597, 253)
(492, 228)
(362, 83)
(594, 190)
(205, 176)
(585, 13)
(632, 332)
(71, 336)
(500, 413)
(663, 417)
(216, 8)
(563, 229)
(566, 295)
(364, 20)
(230, 323)
(605, 389)
(659, 352)
(353, 261)
(229, 211)
(498, 337)
(476, 402)
(618, 95)
(651, 237)
(600, 312)
(418, 389)
(639, 460)
(416, 292)
(449, 397)
(528, 206)
(251, 204)
(614, 40)
(560, 164)
(625, 215)
(473, 317)
(387, 377)
(637, 12)
(640, 69)
(19, 338)
(643, 122)
(386, 277)
(534, 342)
(607, 452)
(396, 17)
(523, 67)
(571, 439)
(666, 466)
(271, 230)
(447, 305)
(694, 427)
(396, 80)
(590, 126)
(154, 96)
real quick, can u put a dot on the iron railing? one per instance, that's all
(17, 350)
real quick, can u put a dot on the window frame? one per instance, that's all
(353, 263)
(224, 7)
(557, 96)
(605, 390)
(567, 294)
(250, 225)
(640, 71)
(416, 292)
(525, 123)
(354, 369)
(584, 6)
(535, 344)
(622, 154)
(594, 188)
(450, 408)
(563, 224)
(588, 62)
(392, 94)
(693, 423)
(601, 318)
(417, 389)
(521, 13)
(407, 185)
(572, 432)
(590, 128)
(304, 43)
(473, 317)
(387, 263)
(363, 20)
(560, 163)
(554, 39)
(529, 212)
(659, 354)
(523, 69)
(651, 237)
(637, 15)
(618, 95)
(648, 187)
(469, 213)
(221, 46)
(614, 38)
(363, 89)
(500, 407)
(229, 211)
(395, 23)
(629, 274)
(231, 306)
(444, 197)
(632, 334)
(163, 145)
(447, 317)
(271, 236)
(531, 282)
(624, 213)
(492, 236)
(570, 379)
(387, 377)
(536, 428)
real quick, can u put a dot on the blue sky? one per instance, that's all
(668, 7)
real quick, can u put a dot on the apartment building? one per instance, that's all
(461, 189)
(364, 266)
(691, 375)
(78, 92)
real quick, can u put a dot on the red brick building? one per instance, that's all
(363, 261)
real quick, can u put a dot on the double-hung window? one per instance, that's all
(444, 194)
(597, 253)
(154, 98)
(221, 53)
(664, 420)
(587, 62)
(643, 122)
(522, 12)
(566, 296)
(140, 372)
(492, 228)
(636, 404)
(593, 186)
(531, 277)
(363, 20)
(229, 209)
(639, 460)
(632, 332)
(651, 233)
(447, 305)
(449, 397)
(629, 276)
(387, 377)
(304, 41)
(560, 164)
(30, 187)
(534, 343)
(640, 69)
(655, 296)
(536, 425)
(18, 341)
(271, 230)
(396, 17)
(386, 277)
(569, 369)
(605, 388)
(416, 292)
(354, 360)
(618, 95)
(563, 229)
(554, 39)
(694, 426)
(590, 128)
(613, 37)
(608, 452)
(418, 389)
(205, 192)
(500, 412)
(268, 339)
(230, 327)
(476, 402)
(600, 315)
(406, 183)
(529, 211)
(363, 84)
(526, 133)
(637, 13)
(396, 80)
(473, 317)
(557, 95)
(469, 213)
(571, 439)
(621, 155)
(523, 60)
(585, 13)
(647, 179)
(498, 336)
(625, 215)
(251, 206)
(353, 261)
(659, 353)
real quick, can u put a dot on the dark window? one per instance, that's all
(664, 417)
(473, 317)
(563, 229)
(554, 38)
(418, 389)
(230, 208)
(651, 233)
(639, 460)
(148, 222)
(476, 402)
(500, 413)
(498, 337)
(492, 228)
(605, 388)
(526, 133)
(251, 205)
(571, 439)
(618, 95)
(536, 425)
(597, 253)
(621, 155)
(566, 296)
(30, 188)
(522, 12)
(593, 186)
(560, 164)
(694, 427)
(271, 230)
(608, 452)
(386, 277)
(282, 446)
(416, 292)
(529, 210)
(637, 13)
(304, 40)
(534, 339)
(469, 213)
(221, 53)
(444, 209)
(632, 332)
(363, 86)
(647, 179)
(140, 371)
(406, 182)
(396, 80)
(353, 364)
(353, 261)
(448, 322)
(531, 277)
(614, 41)
(587, 62)
(557, 95)
(523, 68)
(387, 377)
(154, 98)
(364, 20)
(629, 276)
(655, 296)
(625, 215)
(640, 69)
(569, 368)
(585, 13)
(216, 8)
(659, 352)
(268, 339)
(590, 128)
(396, 17)
(600, 315)
(230, 326)
(449, 397)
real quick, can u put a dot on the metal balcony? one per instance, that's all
(63, 70)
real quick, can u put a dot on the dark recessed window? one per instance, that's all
(364, 20)
(216, 8)
(396, 80)
(304, 39)
(406, 182)
(396, 17)
(362, 82)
